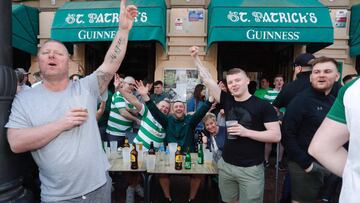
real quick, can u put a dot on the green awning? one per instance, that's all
(98, 21)
(25, 28)
(290, 21)
(354, 41)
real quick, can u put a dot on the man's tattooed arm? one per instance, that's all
(114, 55)
(104, 79)
(113, 59)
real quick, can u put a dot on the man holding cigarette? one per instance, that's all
(60, 131)
(241, 172)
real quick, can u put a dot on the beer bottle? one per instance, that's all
(134, 157)
(178, 158)
(151, 149)
(200, 159)
(188, 159)
(126, 142)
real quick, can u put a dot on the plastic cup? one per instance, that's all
(107, 151)
(150, 162)
(126, 155)
(208, 156)
(140, 150)
(172, 149)
(172, 146)
(228, 124)
(113, 146)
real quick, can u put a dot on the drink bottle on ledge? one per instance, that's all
(188, 159)
(134, 157)
(151, 149)
(200, 159)
(126, 142)
(178, 158)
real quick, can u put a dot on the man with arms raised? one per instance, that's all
(63, 136)
(241, 170)
(150, 130)
(122, 113)
(179, 128)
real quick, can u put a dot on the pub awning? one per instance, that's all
(354, 41)
(289, 21)
(98, 21)
(25, 28)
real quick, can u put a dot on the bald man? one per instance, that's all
(60, 131)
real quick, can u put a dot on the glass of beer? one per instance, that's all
(231, 123)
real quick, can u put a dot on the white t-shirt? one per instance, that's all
(74, 163)
(346, 109)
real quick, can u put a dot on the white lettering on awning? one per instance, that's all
(272, 17)
(96, 35)
(100, 18)
(272, 35)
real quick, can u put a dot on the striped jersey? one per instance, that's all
(150, 130)
(117, 124)
(271, 95)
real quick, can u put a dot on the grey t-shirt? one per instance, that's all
(74, 163)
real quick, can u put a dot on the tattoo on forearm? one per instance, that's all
(117, 50)
(103, 79)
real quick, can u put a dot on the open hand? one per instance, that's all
(118, 81)
(127, 15)
(140, 88)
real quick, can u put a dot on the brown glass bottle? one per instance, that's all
(151, 149)
(126, 142)
(178, 158)
(134, 157)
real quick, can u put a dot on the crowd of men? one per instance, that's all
(312, 118)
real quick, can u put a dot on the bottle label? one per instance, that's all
(178, 158)
(133, 158)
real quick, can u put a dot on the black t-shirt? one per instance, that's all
(252, 114)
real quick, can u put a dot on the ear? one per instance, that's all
(337, 76)
(247, 80)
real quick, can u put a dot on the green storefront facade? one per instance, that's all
(293, 21)
(307, 25)
(98, 21)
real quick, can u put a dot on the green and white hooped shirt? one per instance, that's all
(150, 130)
(117, 124)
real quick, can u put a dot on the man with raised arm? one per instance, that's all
(180, 129)
(56, 122)
(150, 130)
(241, 172)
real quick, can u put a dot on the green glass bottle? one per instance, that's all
(200, 159)
(188, 159)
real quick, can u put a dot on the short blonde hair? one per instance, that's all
(209, 116)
